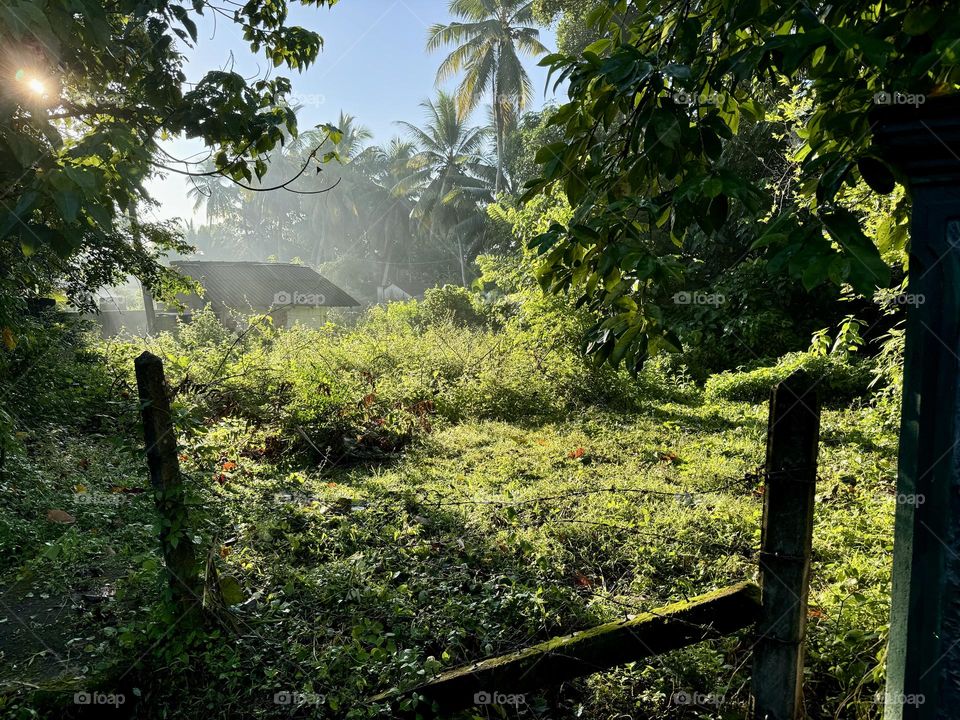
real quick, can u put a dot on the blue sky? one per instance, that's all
(373, 66)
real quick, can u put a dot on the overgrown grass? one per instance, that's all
(415, 493)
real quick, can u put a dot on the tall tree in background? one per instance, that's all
(488, 46)
(335, 215)
(449, 175)
(391, 200)
(213, 193)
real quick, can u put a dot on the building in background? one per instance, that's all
(290, 294)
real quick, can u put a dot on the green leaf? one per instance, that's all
(712, 187)
(231, 591)
(868, 271)
(920, 20)
(68, 203)
(876, 174)
(666, 128)
(677, 71)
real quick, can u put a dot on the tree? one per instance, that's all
(449, 176)
(213, 192)
(391, 199)
(655, 103)
(93, 86)
(335, 216)
(531, 132)
(574, 31)
(488, 46)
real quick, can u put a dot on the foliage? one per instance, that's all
(742, 313)
(83, 108)
(654, 105)
(839, 379)
(349, 577)
(532, 131)
(449, 177)
(488, 48)
(574, 31)
(454, 304)
(409, 212)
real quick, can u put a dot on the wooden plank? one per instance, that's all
(793, 436)
(600, 648)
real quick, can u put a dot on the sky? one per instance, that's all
(374, 66)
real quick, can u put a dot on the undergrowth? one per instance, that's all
(437, 484)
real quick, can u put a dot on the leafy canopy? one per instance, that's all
(88, 90)
(655, 103)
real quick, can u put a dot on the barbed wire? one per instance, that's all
(729, 483)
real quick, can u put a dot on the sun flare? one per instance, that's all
(37, 87)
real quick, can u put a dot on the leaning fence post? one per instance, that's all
(161, 444)
(793, 434)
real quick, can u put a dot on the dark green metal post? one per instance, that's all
(923, 664)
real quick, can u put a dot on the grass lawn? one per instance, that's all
(348, 578)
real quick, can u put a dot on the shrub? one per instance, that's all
(453, 303)
(839, 380)
(51, 377)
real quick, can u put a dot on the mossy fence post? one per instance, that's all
(793, 435)
(179, 553)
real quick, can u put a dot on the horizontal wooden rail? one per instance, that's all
(712, 615)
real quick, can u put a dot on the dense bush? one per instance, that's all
(452, 303)
(49, 375)
(403, 367)
(752, 314)
(839, 380)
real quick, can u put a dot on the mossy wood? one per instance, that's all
(600, 648)
(793, 437)
(160, 439)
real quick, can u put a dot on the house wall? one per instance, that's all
(312, 317)
(113, 322)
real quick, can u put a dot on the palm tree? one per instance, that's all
(213, 192)
(449, 175)
(390, 198)
(487, 46)
(336, 215)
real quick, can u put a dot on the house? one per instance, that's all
(399, 291)
(290, 294)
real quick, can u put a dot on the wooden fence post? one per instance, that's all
(161, 444)
(793, 435)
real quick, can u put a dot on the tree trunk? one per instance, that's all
(149, 311)
(498, 134)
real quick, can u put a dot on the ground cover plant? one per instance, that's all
(379, 502)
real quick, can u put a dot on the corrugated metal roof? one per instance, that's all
(263, 286)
